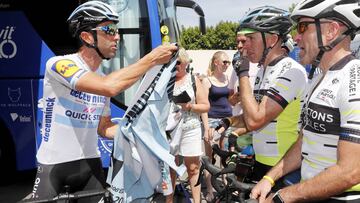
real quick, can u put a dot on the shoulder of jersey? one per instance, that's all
(296, 64)
(64, 66)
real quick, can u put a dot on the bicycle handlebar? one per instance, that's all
(73, 196)
(233, 183)
(216, 171)
(242, 187)
(246, 187)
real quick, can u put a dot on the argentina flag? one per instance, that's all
(141, 154)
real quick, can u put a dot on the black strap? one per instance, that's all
(193, 83)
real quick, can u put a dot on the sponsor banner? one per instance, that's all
(20, 56)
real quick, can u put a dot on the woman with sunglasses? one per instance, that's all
(77, 103)
(190, 100)
(216, 86)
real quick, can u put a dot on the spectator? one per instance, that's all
(190, 146)
(216, 86)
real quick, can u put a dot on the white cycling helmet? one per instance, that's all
(345, 11)
(89, 15)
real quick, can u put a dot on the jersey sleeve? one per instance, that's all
(348, 100)
(289, 85)
(65, 71)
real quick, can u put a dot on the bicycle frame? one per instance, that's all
(66, 197)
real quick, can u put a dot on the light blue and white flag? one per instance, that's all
(141, 150)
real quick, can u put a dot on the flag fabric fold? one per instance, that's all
(141, 150)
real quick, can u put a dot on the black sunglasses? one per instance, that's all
(225, 62)
(178, 62)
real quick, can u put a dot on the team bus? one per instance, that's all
(33, 31)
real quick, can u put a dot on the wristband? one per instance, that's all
(272, 182)
(277, 198)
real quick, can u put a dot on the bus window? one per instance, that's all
(134, 41)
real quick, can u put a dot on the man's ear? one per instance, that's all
(333, 30)
(272, 39)
(87, 37)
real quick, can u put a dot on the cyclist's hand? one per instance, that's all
(162, 54)
(241, 66)
(261, 190)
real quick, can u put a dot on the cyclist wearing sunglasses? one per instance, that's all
(271, 110)
(77, 104)
(328, 148)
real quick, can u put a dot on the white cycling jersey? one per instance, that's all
(330, 114)
(70, 117)
(284, 81)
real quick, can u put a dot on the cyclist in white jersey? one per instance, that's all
(271, 111)
(328, 147)
(77, 104)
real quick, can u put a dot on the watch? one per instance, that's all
(277, 198)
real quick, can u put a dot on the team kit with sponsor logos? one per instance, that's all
(75, 113)
(330, 114)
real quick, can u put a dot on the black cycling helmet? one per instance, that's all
(89, 15)
(267, 19)
(344, 11)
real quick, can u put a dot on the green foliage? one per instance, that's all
(222, 36)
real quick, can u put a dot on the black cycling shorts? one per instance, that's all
(80, 175)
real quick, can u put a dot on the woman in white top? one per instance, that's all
(190, 146)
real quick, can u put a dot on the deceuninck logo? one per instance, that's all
(8, 48)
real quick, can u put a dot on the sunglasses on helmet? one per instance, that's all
(110, 29)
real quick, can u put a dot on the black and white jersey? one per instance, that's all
(331, 113)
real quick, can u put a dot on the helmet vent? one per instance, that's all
(357, 12)
(347, 2)
(311, 4)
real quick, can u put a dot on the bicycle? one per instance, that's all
(67, 197)
(237, 167)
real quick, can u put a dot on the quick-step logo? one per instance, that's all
(8, 48)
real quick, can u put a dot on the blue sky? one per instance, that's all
(226, 10)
